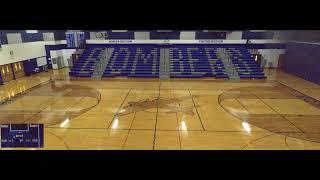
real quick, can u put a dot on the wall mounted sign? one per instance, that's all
(101, 35)
(211, 41)
(120, 41)
(11, 55)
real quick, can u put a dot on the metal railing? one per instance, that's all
(227, 61)
(100, 64)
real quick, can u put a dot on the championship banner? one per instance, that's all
(101, 35)
(70, 39)
(80, 43)
(75, 39)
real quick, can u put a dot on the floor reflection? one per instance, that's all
(299, 119)
(50, 103)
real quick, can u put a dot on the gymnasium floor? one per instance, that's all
(282, 112)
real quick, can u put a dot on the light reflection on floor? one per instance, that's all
(166, 114)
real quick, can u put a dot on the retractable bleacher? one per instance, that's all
(87, 62)
(195, 62)
(134, 61)
(245, 64)
(185, 61)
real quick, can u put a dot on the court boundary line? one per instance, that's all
(178, 131)
(194, 105)
(281, 115)
(281, 133)
(46, 107)
(217, 131)
(155, 126)
(65, 144)
(87, 109)
(115, 115)
(124, 144)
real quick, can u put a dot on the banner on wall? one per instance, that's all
(75, 39)
(70, 39)
(101, 35)
(80, 39)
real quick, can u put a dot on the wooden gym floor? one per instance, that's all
(282, 112)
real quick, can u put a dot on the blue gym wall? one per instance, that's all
(299, 35)
(154, 34)
(49, 48)
(120, 35)
(1, 81)
(164, 35)
(303, 60)
(210, 35)
(257, 35)
(29, 66)
(175, 34)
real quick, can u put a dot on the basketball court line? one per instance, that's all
(257, 140)
(179, 131)
(124, 144)
(66, 145)
(46, 107)
(115, 115)
(194, 105)
(158, 130)
(222, 131)
(275, 111)
(241, 104)
(155, 126)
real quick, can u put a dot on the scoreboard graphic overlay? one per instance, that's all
(21, 135)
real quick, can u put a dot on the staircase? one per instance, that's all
(164, 63)
(102, 64)
(227, 62)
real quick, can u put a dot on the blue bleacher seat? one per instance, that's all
(186, 61)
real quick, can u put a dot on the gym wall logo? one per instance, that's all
(11, 55)
(120, 41)
(171, 104)
(167, 41)
(209, 41)
(101, 35)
